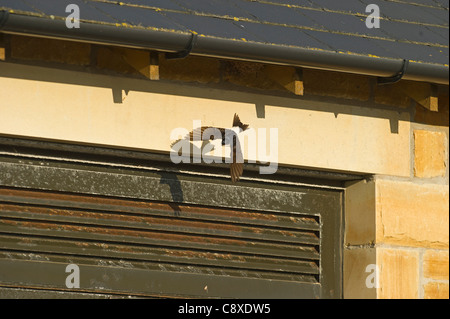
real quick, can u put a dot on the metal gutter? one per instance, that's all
(173, 41)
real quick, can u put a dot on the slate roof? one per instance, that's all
(415, 30)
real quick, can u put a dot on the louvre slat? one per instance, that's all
(171, 224)
(154, 238)
(124, 252)
(147, 279)
(294, 220)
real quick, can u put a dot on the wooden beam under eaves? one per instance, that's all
(145, 62)
(425, 94)
(154, 66)
(290, 78)
(2, 47)
(299, 87)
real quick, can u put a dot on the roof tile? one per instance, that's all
(415, 29)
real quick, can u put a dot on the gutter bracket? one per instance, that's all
(397, 77)
(185, 52)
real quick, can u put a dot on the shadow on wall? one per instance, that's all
(176, 191)
(260, 100)
(121, 86)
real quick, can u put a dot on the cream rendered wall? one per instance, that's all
(118, 111)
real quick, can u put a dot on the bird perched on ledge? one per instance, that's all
(228, 138)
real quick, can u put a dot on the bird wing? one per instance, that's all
(197, 134)
(237, 165)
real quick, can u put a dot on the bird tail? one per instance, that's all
(236, 170)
